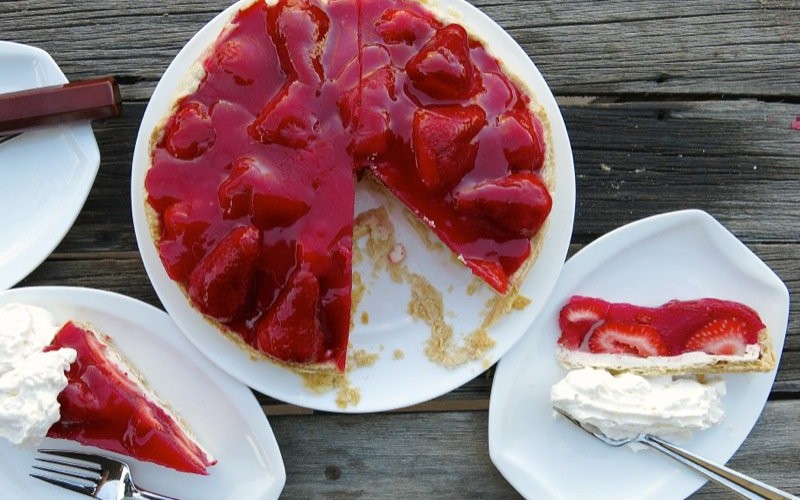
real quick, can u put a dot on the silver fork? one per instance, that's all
(97, 476)
(736, 481)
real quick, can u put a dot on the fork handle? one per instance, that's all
(736, 481)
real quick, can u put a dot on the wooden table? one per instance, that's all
(669, 105)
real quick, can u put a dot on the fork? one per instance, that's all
(97, 476)
(736, 481)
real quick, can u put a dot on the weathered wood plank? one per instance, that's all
(445, 455)
(743, 48)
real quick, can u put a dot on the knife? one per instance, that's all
(91, 99)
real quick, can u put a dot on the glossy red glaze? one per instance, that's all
(298, 98)
(676, 321)
(101, 406)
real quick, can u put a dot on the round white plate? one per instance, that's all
(402, 374)
(46, 173)
(222, 413)
(679, 255)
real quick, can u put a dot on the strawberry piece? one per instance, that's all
(290, 330)
(403, 26)
(233, 59)
(577, 317)
(190, 133)
(628, 338)
(518, 203)
(221, 284)
(182, 233)
(288, 118)
(253, 189)
(299, 31)
(363, 108)
(523, 138)
(442, 141)
(725, 336)
(442, 67)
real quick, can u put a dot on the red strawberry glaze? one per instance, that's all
(677, 320)
(298, 98)
(101, 406)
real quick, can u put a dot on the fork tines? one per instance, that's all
(88, 472)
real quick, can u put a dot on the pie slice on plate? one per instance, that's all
(107, 405)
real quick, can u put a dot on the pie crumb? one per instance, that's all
(398, 354)
(364, 318)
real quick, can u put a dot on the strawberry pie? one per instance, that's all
(251, 185)
(106, 405)
(682, 336)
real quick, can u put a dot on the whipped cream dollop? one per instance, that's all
(30, 380)
(626, 405)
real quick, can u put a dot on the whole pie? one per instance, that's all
(251, 184)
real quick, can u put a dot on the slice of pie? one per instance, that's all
(251, 187)
(705, 335)
(107, 405)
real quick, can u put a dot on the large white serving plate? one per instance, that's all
(222, 412)
(46, 173)
(394, 380)
(678, 255)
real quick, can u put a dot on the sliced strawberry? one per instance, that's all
(442, 67)
(403, 26)
(725, 336)
(252, 189)
(288, 118)
(442, 141)
(518, 203)
(190, 133)
(523, 139)
(577, 317)
(290, 330)
(628, 338)
(221, 284)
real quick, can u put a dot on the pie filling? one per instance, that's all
(711, 326)
(252, 177)
(102, 406)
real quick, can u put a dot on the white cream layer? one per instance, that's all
(571, 358)
(626, 405)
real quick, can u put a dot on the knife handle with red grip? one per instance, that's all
(92, 99)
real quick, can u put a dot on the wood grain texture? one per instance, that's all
(582, 48)
(669, 105)
(445, 456)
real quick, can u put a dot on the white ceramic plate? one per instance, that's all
(46, 174)
(390, 382)
(222, 413)
(679, 255)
